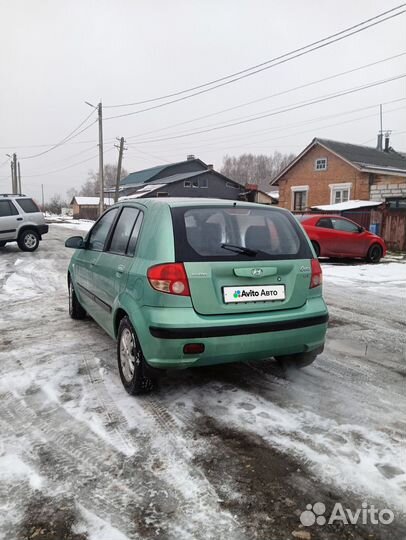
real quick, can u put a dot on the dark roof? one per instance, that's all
(366, 156)
(147, 175)
(140, 177)
(177, 177)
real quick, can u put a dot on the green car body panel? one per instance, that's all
(109, 286)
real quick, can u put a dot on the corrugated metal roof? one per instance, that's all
(177, 177)
(366, 156)
(139, 177)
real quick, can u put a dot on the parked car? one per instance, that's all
(193, 282)
(21, 221)
(336, 236)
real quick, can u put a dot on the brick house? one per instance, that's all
(329, 172)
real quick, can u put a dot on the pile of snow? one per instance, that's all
(347, 205)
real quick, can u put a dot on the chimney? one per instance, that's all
(190, 157)
(210, 166)
(379, 143)
(387, 134)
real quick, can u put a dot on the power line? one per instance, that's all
(65, 168)
(263, 64)
(302, 123)
(283, 92)
(248, 74)
(68, 137)
(273, 113)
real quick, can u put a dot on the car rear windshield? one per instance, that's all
(28, 205)
(236, 233)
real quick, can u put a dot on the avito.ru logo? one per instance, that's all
(315, 514)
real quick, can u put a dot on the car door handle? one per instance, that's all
(120, 269)
(19, 219)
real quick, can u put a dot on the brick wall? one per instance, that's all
(338, 172)
(388, 186)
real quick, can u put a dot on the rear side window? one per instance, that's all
(325, 223)
(98, 234)
(123, 230)
(7, 208)
(218, 234)
(28, 205)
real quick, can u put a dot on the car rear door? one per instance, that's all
(9, 220)
(110, 272)
(270, 272)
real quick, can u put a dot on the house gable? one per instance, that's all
(302, 175)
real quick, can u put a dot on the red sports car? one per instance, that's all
(336, 236)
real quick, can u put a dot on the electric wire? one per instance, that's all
(264, 65)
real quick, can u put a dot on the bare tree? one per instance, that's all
(55, 204)
(91, 187)
(255, 169)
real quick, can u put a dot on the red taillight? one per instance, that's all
(317, 274)
(169, 278)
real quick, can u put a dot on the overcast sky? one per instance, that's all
(55, 54)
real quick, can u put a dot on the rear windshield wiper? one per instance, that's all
(240, 249)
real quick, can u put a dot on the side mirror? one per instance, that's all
(361, 229)
(75, 242)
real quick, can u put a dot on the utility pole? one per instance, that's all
(15, 186)
(12, 176)
(19, 178)
(101, 171)
(43, 200)
(120, 160)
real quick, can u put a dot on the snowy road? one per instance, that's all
(227, 452)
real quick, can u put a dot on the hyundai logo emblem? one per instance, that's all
(256, 271)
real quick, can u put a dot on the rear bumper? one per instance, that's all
(163, 332)
(236, 330)
(42, 229)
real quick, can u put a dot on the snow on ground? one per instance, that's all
(181, 463)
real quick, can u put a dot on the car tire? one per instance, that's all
(297, 361)
(374, 254)
(2, 243)
(28, 240)
(76, 311)
(316, 248)
(134, 372)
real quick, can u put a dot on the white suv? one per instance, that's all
(21, 221)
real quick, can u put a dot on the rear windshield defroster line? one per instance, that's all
(200, 231)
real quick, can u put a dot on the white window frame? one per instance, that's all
(321, 168)
(293, 190)
(202, 181)
(339, 187)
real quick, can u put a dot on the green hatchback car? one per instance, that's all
(196, 282)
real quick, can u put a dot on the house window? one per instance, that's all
(231, 185)
(203, 183)
(299, 201)
(162, 194)
(320, 164)
(187, 183)
(397, 203)
(195, 182)
(340, 193)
